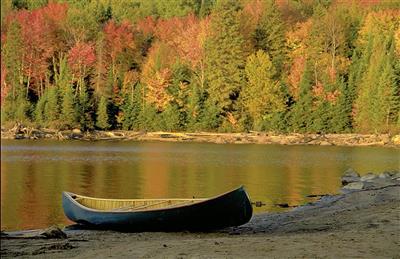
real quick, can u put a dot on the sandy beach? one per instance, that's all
(362, 222)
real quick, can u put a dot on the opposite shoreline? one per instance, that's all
(350, 139)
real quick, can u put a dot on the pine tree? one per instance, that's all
(68, 113)
(126, 108)
(195, 107)
(269, 35)
(84, 109)
(68, 103)
(40, 117)
(224, 58)
(52, 106)
(22, 113)
(210, 117)
(172, 117)
(342, 119)
(321, 116)
(377, 103)
(102, 114)
(301, 114)
(148, 118)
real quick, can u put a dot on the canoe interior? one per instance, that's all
(131, 205)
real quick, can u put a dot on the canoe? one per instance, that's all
(229, 209)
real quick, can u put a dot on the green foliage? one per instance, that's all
(148, 118)
(174, 8)
(82, 25)
(40, 117)
(16, 105)
(84, 109)
(210, 118)
(206, 7)
(132, 107)
(269, 35)
(341, 111)
(225, 58)
(172, 117)
(301, 113)
(5, 9)
(307, 66)
(262, 96)
(52, 107)
(12, 53)
(377, 103)
(195, 107)
(68, 113)
(102, 114)
(23, 108)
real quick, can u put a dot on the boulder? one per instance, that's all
(76, 131)
(379, 183)
(325, 143)
(384, 175)
(53, 232)
(350, 176)
(396, 140)
(368, 177)
(353, 186)
(396, 176)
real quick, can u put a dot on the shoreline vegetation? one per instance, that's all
(252, 137)
(195, 65)
(361, 221)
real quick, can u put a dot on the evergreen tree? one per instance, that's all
(84, 109)
(269, 35)
(40, 117)
(52, 106)
(195, 107)
(377, 103)
(224, 58)
(321, 116)
(62, 79)
(23, 108)
(210, 117)
(68, 113)
(147, 119)
(341, 112)
(126, 108)
(172, 117)
(302, 112)
(102, 114)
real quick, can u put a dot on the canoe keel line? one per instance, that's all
(226, 210)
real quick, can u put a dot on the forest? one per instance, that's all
(306, 66)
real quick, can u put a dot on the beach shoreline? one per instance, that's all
(350, 139)
(363, 221)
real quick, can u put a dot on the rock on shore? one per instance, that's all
(352, 181)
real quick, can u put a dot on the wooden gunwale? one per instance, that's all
(196, 201)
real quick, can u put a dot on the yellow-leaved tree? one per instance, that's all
(261, 97)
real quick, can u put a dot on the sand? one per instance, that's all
(358, 224)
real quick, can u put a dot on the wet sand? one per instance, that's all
(358, 224)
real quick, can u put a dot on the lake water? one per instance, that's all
(34, 173)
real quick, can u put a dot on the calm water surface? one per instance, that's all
(34, 173)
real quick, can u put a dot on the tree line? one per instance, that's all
(212, 65)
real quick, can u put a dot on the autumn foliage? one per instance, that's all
(226, 65)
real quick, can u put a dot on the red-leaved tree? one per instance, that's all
(81, 59)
